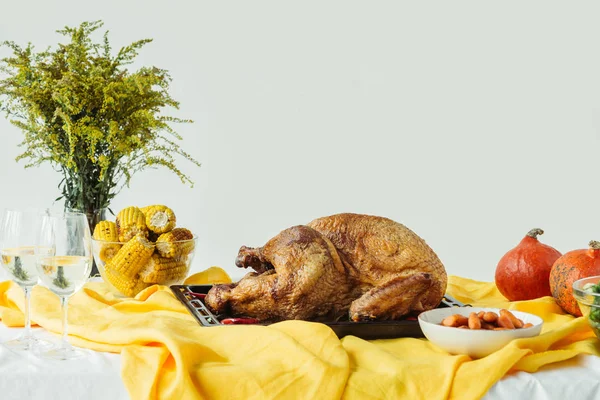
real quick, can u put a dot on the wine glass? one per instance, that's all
(67, 269)
(17, 250)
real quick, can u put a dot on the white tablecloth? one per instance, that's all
(24, 376)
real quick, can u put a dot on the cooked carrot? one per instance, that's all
(505, 322)
(517, 323)
(474, 321)
(490, 317)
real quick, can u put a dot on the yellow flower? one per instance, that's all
(98, 125)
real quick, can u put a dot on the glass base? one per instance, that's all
(62, 353)
(28, 343)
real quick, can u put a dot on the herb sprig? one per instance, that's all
(18, 270)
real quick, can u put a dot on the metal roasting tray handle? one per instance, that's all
(192, 298)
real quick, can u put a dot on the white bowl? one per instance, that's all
(475, 343)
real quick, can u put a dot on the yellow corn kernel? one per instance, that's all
(163, 270)
(127, 286)
(106, 231)
(131, 221)
(108, 251)
(159, 218)
(176, 243)
(132, 257)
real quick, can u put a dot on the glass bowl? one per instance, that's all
(128, 274)
(589, 300)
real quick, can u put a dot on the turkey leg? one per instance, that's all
(249, 257)
(308, 280)
(392, 299)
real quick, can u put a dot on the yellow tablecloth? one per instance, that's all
(167, 355)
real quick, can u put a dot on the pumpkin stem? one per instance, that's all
(535, 232)
(595, 245)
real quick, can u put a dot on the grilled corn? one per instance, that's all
(132, 257)
(131, 221)
(163, 270)
(127, 286)
(106, 231)
(159, 218)
(176, 243)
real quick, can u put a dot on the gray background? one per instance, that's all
(470, 122)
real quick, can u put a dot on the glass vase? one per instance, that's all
(93, 218)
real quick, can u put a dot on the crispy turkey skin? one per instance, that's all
(366, 266)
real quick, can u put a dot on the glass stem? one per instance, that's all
(64, 304)
(27, 334)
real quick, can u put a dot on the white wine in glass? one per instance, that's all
(67, 269)
(19, 262)
(18, 231)
(64, 275)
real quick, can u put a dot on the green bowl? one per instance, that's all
(589, 301)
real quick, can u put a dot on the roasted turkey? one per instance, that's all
(363, 266)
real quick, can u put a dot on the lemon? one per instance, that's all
(211, 276)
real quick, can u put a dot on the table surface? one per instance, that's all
(25, 376)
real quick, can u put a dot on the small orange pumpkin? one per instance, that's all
(522, 273)
(574, 265)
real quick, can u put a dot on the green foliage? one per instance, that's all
(61, 281)
(80, 109)
(595, 311)
(18, 270)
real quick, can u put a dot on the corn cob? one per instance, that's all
(106, 231)
(129, 287)
(130, 222)
(176, 243)
(163, 270)
(132, 257)
(159, 218)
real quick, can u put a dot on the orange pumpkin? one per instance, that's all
(574, 265)
(523, 272)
